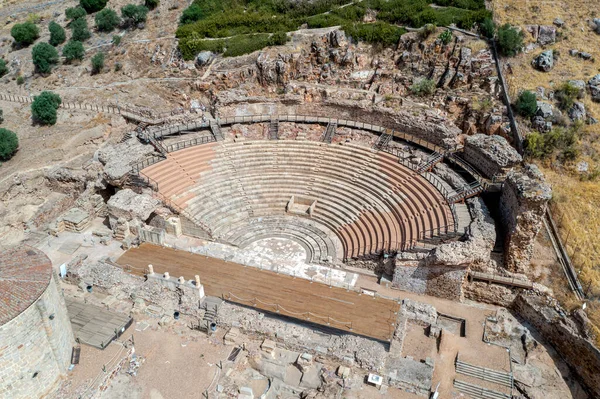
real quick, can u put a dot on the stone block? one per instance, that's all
(268, 346)
(343, 372)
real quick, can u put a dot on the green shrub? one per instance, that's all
(97, 63)
(25, 33)
(510, 40)
(445, 36)
(74, 13)
(151, 4)
(57, 34)
(8, 144)
(92, 6)
(73, 51)
(44, 57)
(526, 104)
(378, 32)
(44, 106)
(118, 66)
(107, 20)
(566, 95)
(116, 40)
(488, 28)
(20, 80)
(133, 15)
(278, 39)
(1, 116)
(3, 68)
(423, 87)
(191, 14)
(559, 141)
(427, 30)
(79, 30)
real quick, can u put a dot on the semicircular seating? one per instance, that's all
(366, 202)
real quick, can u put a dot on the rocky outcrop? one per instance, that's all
(594, 85)
(131, 206)
(544, 62)
(566, 334)
(491, 155)
(119, 158)
(577, 111)
(523, 203)
(546, 35)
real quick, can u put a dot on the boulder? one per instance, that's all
(594, 84)
(577, 111)
(558, 22)
(597, 23)
(580, 84)
(584, 55)
(129, 205)
(540, 124)
(337, 38)
(544, 62)
(546, 35)
(544, 110)
(204, 58)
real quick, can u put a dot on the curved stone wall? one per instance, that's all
(35, 347)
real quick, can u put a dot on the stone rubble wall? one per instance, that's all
(562, 332)
(440, 281)
(491, 155)
(523, 204)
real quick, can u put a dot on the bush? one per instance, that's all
(151, 4)
(133, 15)
(44, 106)
(25, 33)
(107, 20)
(1, 116)
(278, 39)
(92, 6)
(526, 104)
(73, 51)
(423, 87)
(560, 141)
(3, 68)
(427, 30)
(79, 30)
(118, 66)
(566, 95)
(97, 63)
(8, 144)
(488, 28)
(57, 34)
(379, 32)
(116, 40)
(44, 57)
(510, 40)
(191, 14)
(445, 36)
(74, 13)
(20, 80)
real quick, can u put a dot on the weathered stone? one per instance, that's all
(545, 110)
(540, 124)
(203, 58)
(546, 35)
(577, 111)
(584, 55)
(523, 203)
(337, 38)
(492, 155)
(594, 84)
(129, 205)
(558, 22)
(579, 84)
(544, 62)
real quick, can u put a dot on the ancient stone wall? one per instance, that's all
(491, 155)
(440, 281)
(562, 333)
(35, 347)
(523, 203)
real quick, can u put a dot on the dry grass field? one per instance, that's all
(576, 202)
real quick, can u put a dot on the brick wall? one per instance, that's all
(35, 350)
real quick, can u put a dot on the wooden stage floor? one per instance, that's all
(297, 298)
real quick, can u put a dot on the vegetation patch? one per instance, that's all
(226, 19)
(44, 106)
(8, 144)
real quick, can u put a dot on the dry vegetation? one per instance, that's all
(576, 202)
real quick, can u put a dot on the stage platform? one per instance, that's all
(338, 308)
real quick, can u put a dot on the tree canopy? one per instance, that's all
(44, 57)
(44, 106)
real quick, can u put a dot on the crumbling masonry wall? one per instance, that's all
(562, 333)
(523, 203)
(440, 281)
(491, 155)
